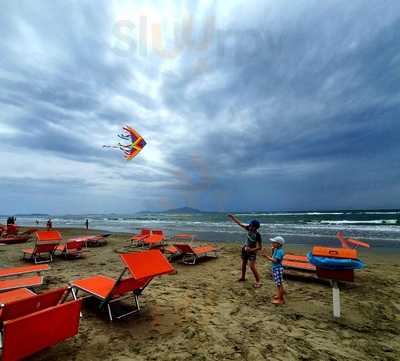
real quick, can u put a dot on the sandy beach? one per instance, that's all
(203, 313)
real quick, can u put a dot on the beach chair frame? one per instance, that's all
(149, 238)
(191, 255)
(137, 240)
(36, 255)
(71, 249)
(124, 288)
(46, 243)
(110, 299)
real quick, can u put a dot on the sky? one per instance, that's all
(244, 105)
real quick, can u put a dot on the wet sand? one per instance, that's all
(203, 313)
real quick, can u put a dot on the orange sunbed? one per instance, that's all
(33, 281)
(15, 271)
(142, 266)
(46, 244)
(93, 240)
(70, 249)
(14, 295)
(295, 257)
(298, 266)
(144, 232)
(334, 252)
(34, 323)
(156, 239)
(192, 254)
(14, 239)
(14, 283)
(149, 238)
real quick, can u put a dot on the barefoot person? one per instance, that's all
(277, 269)
(250, 248)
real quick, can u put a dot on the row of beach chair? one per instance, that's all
(42, 320)
(49, 244)
(189, 254)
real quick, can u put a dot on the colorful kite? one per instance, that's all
(135, 145)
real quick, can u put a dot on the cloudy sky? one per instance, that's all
(245, 105)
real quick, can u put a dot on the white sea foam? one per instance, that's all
(375, 221)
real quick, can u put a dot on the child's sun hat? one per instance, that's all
(278, 239)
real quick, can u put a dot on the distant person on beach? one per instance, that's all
(49, 224)
(11, 220)
(252, 245)
(87, 224)
(277, 268)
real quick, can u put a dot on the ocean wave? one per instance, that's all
(375, 221)
(291, 214)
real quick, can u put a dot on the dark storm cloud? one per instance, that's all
(350, 116)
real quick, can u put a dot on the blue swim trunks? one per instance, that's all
(277, 275)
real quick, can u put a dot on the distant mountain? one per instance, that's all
(185, 210)
(33, 215)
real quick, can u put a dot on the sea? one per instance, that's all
(380, 228)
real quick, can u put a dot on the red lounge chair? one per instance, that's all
(15, 271)
(171, 252)
(137, 239)
(92, 241)
(31, 281)
(148, 238)
(46, 244)
(142, 266)
(192, 254)
(71, 249)
(34, 323)
(156, 239)
(14, 239)
(15, 295)
(10, 234)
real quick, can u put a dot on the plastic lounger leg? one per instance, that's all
(137, 302)
(109, 312)
(75, 297)
(336, 299)
(135, 310)
(189, 259)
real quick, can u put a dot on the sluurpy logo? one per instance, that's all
(199, 39)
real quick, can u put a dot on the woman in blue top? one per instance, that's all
(277, 268)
